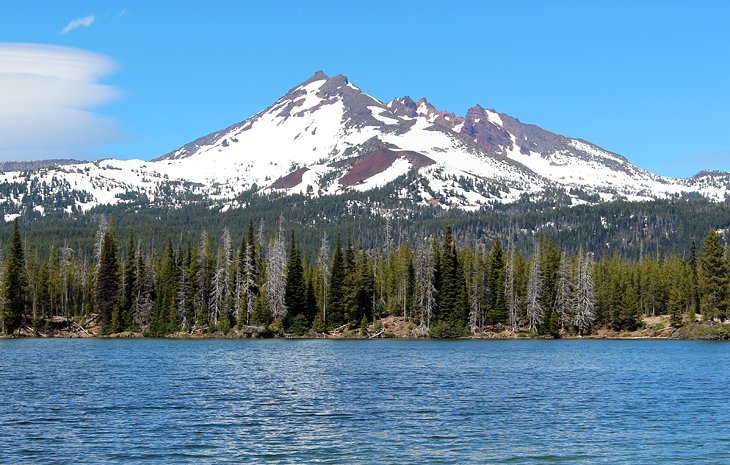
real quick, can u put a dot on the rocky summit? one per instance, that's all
(325, 136)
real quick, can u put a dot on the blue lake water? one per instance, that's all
(385, 401)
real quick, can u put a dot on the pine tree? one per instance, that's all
(276, 274)
(476, 289)
(550, 263)
(337, 289)
(295, 287)
(221, 296)
(15, 283)
(143, 298)
(565, 294)
(107, 280)
(452, 304)
(630, 307)
(128, 283)
(585, 311)
(535, 310)
(404, 280)
(681, 292)
(323, 266)
(99, 240)
(204, 271)
(249, 282)
(65, 266)
(165, 315)
(310, 298)
(350, 286)
(496, 302)
(425, 286)
(695, 285)
(364, 290)
(185, 312)
(510, 290)
(714, 279)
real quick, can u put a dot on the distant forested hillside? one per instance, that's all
(379, 219)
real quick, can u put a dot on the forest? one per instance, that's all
(270, 285)
(374, 218)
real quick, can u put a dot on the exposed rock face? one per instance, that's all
(326, 136)
(484, 132)
(404, 107)
(373, 163)
(290, 180)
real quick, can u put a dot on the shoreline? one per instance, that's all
(653, 328)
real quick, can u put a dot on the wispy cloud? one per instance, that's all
(86, 21)
(47, 94)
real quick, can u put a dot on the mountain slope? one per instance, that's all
(325, 136)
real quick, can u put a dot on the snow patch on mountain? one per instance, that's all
(325, 136)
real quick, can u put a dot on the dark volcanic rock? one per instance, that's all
(485, 133)
(373, 163)
(292, 179)
(404, 106)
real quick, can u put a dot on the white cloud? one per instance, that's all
(86, 21)
(47, 94)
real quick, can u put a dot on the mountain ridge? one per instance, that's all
(325, 136)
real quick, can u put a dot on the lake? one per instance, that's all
(384, 401)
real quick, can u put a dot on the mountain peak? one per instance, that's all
(403, 106)
(326, 136)
(317, 76)
(476, 109)
(334, 85)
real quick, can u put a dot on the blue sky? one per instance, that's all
(648, 80)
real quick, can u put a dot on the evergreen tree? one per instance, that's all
(550, 263)
(310, 299)
(474, 263)
(683, 291)
(714, 278)
(535, 310)
(630, 308)
(15, 284)
(203, 277)
(222, 295)
(426, 287)
(496, 302)
(323, 266)
(695, 292)
(276, 274)
(249, 285)
(364, 290)
(143, 292)
(452, 304)
(564, 294)
(295, 288)
(585, 311)
(510, 288)
(337, 289)
(65, 270)
(128, 283)
(165, 316)
(350, 284)
(404, 280)
(107, 281)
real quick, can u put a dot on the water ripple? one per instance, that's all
(333, 402)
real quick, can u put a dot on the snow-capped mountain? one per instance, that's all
(326, 136)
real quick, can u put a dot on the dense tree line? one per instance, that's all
(374, 218)
(447, 288)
